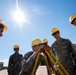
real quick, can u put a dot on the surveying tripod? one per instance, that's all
(57, 70)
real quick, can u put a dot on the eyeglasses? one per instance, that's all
(55, 33)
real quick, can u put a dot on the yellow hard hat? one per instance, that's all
(54, 30)
(5, 27)
(72, 18)
(16, 46)
(45, 41)
(36, 42)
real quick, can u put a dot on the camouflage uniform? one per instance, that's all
(14, 66)
(65, 53)
(27, 65)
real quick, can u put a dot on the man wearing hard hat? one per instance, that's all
(47, 47)
(72, 20)
(45, 42)
(14, 66)
(2, 27)
(30, 57)
(64, 51)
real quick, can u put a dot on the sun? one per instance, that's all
(19, 16)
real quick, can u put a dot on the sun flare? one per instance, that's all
(18, 16)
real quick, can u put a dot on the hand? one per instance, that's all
(40, 49)
(46, 48)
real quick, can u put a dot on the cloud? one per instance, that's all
(5, 62)
(37, 11)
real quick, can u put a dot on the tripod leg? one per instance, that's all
(59, 63)
(51, 64)
(47, 64)
(35, 64)
(54, 62)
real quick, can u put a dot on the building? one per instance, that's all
(1, 65)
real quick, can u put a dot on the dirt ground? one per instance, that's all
(41, 71)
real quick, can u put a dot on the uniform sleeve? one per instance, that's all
(10, 65)
(52, 49)
(72, 50)
(27, 62)
(54, 52)
(21, 56)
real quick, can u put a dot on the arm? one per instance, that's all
(28, 61)
(53, 50)
(72, 50)
(10, 65)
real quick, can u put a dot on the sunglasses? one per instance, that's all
(55, 33)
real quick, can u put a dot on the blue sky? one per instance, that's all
(43, 15)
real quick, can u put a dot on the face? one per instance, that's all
(74, 22)
(1, 31)
(56, 35)
(35, 48)
(16, 50)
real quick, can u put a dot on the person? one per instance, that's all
(45, 42)
(47, 47)
(64, 51)
(14, 66)
(2, 27)
(72, 20)
(30, 58)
